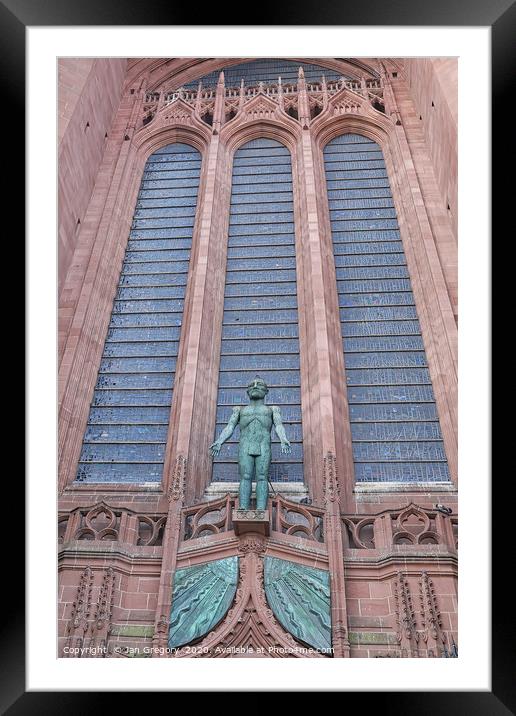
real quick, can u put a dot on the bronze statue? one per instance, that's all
(256, 421)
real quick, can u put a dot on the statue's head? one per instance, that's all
(257, 388)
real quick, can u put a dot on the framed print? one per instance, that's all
(259, 265)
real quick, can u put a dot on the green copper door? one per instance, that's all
(201, 597)
(299, 596)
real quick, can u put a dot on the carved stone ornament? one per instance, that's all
(245, 521)
(162, 625)
(252, 543)
(178, 481)
(296, 101)
(177, 111)
(347, 101)
(100, 523)
(407, 634)
(430, 614)
(81, 609)
(261, 107)
(250, 514)
(331, 482)
(105, 602)
(82, 605)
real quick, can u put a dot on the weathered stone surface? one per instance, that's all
(371, 637)
(132, 630)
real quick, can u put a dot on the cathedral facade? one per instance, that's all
(228, 222)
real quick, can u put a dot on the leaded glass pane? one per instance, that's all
(394, 423)
(402, 472)
(125, 433)
(137, 365)
(262, 362)
(395, 431)
(140, 349)
(129, 416)
(123, 472)
(128, 422)
(134, 380)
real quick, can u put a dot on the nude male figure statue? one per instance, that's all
(254, 454)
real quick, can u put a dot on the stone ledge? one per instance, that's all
(95, 548)
(293, 490)
(368, 487)
(395, 558)
(118, 487)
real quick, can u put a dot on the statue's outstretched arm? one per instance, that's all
(280, 430)
(226, 433)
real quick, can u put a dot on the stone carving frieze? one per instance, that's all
(104, 523)
(412, 526)
(178, 479)
(288, 518)
(252, 543)
(415, 525)
(99, 523)
(207, 519)
(300, 101)
(293, 519)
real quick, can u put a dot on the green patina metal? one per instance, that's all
(201, 597)
(299, 596)
(254, 452)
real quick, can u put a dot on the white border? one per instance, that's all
(471, 671)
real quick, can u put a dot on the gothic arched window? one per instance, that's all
(394, 424)
(260, 323)
(266, 70)
(129, 416)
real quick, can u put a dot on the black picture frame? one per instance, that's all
(15, 16)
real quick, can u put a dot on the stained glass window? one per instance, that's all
(260, 323)
(394, 423)
(129, 415)
(266, 70)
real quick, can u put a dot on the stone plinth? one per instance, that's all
(255, 521)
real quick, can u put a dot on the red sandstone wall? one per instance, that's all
(129, 614)
(431, 161)
(435, 80)
(375, 605)
(89, 95)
